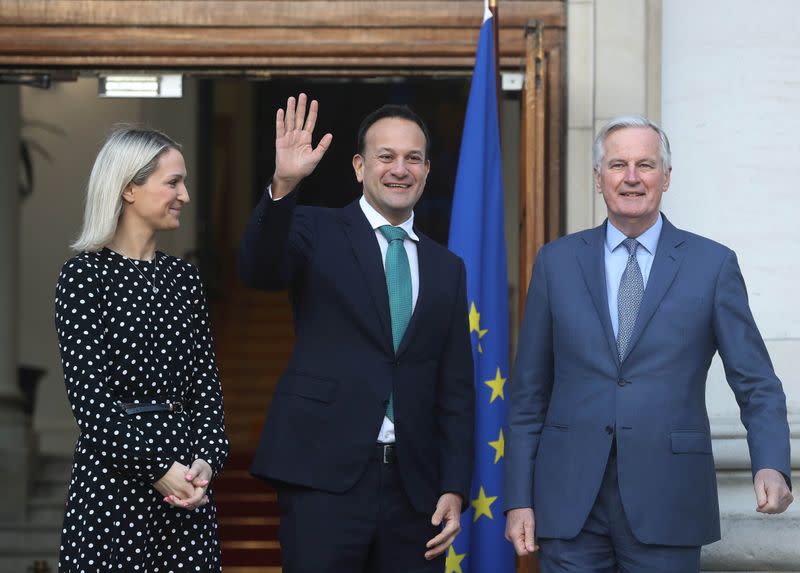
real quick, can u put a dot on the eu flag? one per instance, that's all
(477, 236)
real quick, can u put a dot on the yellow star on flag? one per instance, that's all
(483, 505)
(497, 386)
(499, 446)
(452, 563)
(475, 324)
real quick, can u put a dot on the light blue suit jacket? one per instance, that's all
(571, 395)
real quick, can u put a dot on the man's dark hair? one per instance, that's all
(392, 110)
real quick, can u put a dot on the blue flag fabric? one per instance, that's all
(477, 235)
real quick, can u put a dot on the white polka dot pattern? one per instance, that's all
(121, 342)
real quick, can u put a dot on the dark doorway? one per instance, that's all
(343, 104)
(254, 329)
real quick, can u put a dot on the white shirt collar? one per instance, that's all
(648, 239)
(377, 220)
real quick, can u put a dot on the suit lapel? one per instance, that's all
(368, 254)
(665, 266)
(591, 258)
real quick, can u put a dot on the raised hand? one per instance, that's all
(295, 156)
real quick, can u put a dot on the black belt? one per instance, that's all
(174, 406)
(385, 454)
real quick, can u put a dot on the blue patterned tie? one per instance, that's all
(398, 283)
(629, 297)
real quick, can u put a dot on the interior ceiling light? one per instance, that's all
(170, 86)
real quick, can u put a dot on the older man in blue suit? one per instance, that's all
(370, 433)
(608, 442)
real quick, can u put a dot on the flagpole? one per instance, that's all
(494, 9)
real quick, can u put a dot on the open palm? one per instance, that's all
(295, 156)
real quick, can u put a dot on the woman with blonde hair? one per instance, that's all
(140, 373)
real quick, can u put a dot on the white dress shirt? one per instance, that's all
(376, 220)
(616, 258)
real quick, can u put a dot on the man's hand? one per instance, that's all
(448, 508)
(295, 158)
(772, 493)
(520, 530)
(177, 491)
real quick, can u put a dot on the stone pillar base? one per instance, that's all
(17, 451)
(751, 541)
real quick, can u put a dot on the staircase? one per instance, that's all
(253, 339)
(248, 521)
(39, 536)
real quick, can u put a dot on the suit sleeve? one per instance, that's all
(749, 372)
(117, 439)
(208, 420)
(531, 386)
(455, 406)
(277, 243)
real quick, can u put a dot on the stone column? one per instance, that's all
(730, 95)
(15, 436)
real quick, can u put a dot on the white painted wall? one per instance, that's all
(52, 215)
(613, 65)
(731, 106)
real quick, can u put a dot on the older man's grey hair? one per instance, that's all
(622, 122)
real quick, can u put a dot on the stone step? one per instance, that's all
(51, 478)
(23, 539)
(54, 466)
(52, 488)
(252, 553)
(246, 505)
(46, 512)
(248, 528)
(54, 491)
(24, 563)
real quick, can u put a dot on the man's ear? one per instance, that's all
(667, 178)
(358, 167)
(128, 194)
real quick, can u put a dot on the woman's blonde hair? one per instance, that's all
(129, 155)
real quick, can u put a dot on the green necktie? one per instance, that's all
(398, 283)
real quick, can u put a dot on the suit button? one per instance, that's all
(609, 430)
(385, 403)
(621, 382)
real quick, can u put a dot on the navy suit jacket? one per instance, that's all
(571, 394)
(330, 402)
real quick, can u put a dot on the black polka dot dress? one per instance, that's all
(137, 331)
